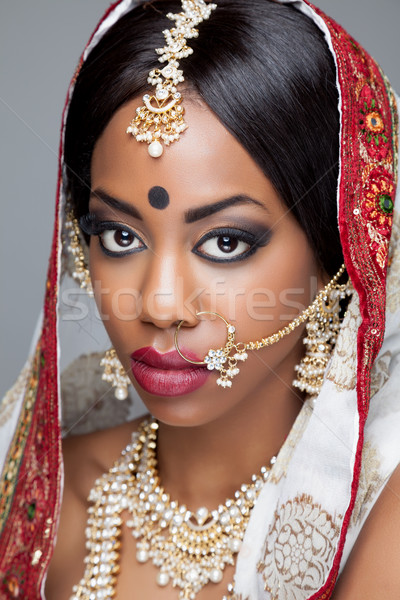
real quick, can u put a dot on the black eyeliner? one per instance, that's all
(93, 226)
(256, 237)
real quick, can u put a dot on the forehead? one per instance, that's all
(207, 162)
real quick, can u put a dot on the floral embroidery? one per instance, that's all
(356, 53)
(342, 370)
(10, 472)
(296, 433)
(379, 244)
(372, 125)
(378, 204)
(377, 210)
(35, 508)
(29, 486)
(299, 550)
(12, 585)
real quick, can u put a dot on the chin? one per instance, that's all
(196, 409)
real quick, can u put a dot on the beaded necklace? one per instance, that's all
(189, 548)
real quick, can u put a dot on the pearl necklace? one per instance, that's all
(189, 548)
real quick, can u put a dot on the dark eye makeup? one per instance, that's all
(219, 245)
(115, 239)
(231, 244)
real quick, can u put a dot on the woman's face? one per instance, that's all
(199, 229)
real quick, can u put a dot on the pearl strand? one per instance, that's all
(189, 548)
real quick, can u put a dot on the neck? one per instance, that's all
(204, 465)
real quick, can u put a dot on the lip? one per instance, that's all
(167, 374)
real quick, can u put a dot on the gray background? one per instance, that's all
(40, 43)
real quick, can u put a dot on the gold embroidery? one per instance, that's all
(370, 482)
(8, 477)
(380, 372)
(299, 549)
(10, 399)
(342, 370)
(285, 455)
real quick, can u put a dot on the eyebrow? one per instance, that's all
(195, 214)
(119, 205)
(191, 215)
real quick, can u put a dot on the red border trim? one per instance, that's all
(356, 68)
(27, 544)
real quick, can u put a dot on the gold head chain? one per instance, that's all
(161, 117)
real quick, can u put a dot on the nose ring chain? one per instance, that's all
(226, 359)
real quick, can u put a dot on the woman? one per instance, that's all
(225, 230)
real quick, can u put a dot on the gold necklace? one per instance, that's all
(189, 548)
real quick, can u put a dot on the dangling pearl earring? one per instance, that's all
(115, 374)
(81, 272)
(322, 331)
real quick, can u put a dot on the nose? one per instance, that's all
(169, 294)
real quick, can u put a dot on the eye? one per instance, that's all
(115, 239)
(118, 241)
(227, 245)
(224, 246)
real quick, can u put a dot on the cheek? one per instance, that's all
(285, 286)
(117, 293)
(277, 284)
(277, 288)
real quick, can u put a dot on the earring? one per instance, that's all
(324, 307)
(115, 374)
(322, 331)
(74, 246)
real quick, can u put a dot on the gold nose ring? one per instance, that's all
(220, 359)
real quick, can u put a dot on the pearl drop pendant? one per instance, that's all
(162, 579)
(121, 393)
(216, 576)
(142, 556)
(155, 149)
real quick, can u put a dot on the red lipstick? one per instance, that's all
(167, 374)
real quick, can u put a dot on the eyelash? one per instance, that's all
(252, 239)
(93, 227)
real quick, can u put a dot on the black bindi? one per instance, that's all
(158, 197)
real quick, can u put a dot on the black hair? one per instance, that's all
(263, 68)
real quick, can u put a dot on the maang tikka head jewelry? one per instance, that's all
(161, 117)
(225, 359)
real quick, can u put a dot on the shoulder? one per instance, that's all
(88, 456)
(372, 571)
